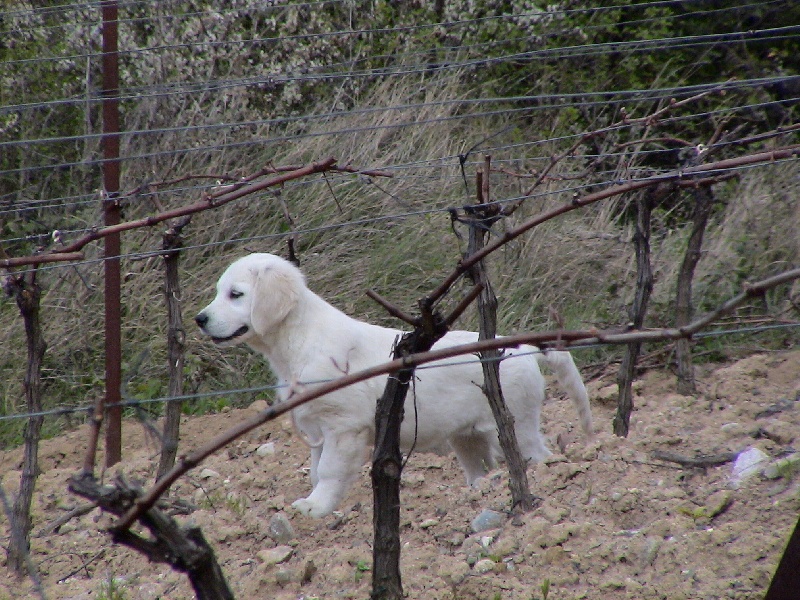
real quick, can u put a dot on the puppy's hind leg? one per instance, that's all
(340, 459)
(531, 442)
(474, 454)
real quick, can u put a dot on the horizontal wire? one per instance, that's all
(267, 5)
(438, 365)
(360, 222)
(439, 162)
(606, 97)
(66, 233)
(351, 130)
(345, 71)
(404, 29)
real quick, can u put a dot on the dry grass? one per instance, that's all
(353, 236)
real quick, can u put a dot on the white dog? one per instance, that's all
(263, 301)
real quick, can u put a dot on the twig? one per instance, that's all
(40, 259)
(393, 310)
(209, 201)
(184, 548)
(626, 121)
(84, 564)
(709, 460)
(652, 140)
(76, 512)
(464, 304)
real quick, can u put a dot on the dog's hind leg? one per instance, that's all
(531, 443)
(474, 454)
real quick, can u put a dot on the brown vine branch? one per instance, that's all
(614, 190)
(220, 197)
(626, 121)
(393, 310)
(182, 547)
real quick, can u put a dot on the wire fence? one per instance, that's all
(261, 389)
(568, 103)
(44, 154)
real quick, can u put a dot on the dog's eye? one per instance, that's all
(236, 294)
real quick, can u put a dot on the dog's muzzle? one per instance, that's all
(202, 320)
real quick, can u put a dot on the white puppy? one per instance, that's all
(263, 301)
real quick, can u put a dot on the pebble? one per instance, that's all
(428, 523)
(485, 565)
(283, 577)
(275, 556)
(452, 570)
(280, 529)
(649, 551)
(457, 538)
(267, 449)
(488, 519)
(506, 546)
(732, 429)
(259, 405)
(746, 466)
(781, 432)
(208, 474)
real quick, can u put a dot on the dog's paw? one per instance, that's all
(310, 508)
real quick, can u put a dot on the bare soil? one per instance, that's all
(614, 521)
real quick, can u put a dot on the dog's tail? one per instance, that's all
(570, 380)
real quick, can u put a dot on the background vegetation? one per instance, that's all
(423, 90)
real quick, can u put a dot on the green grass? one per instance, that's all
(112, 589)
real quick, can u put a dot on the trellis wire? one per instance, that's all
(128, 403)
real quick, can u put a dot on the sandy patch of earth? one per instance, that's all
(614, 520)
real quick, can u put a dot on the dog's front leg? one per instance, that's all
(316, 454)
(340, 459)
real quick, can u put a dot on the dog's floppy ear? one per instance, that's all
(275, 293)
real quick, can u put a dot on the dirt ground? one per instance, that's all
(614, 522)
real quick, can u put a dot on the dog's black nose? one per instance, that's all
(201, 320)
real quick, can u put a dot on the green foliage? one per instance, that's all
(27, 79)
(361, 568)
(545, 589)
(112, 589)
(787, 468)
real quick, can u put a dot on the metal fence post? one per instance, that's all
(111, 212)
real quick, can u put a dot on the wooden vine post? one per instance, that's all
(387, 461)
(480, 220)
(176, 338)
(703, 197)
(27, 294)
(113, 242)
(644, 287)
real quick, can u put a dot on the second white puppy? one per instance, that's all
(263, 301)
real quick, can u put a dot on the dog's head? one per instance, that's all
(254, 295)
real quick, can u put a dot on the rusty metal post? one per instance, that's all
(111, 211)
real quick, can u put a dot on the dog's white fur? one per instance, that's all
(263, 301)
